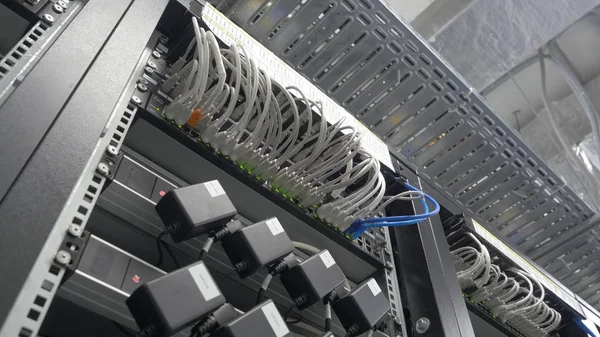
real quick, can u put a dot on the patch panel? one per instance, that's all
(458, 230)
(155, 103)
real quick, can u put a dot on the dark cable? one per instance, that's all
(328, 316)
(216, 236)
(159, 247)
(351, 332)
(204, 326)
(263, 288)
(206, 246)
(241, 266)
(329, 298)
(286, 263)
(171, 254)
(148, 331)
(159, 241)
(288, 313)
(123, 330)
(261, 295)
(225, 313)
(297, 302)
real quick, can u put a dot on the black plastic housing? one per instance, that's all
(312, 279)
(363, 307)
(176, 300)
(264, 320)
(256, 246)
(194, 210)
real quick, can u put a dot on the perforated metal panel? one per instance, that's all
(576, 265)
(374, 65)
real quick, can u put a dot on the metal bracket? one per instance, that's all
(110, 161)
(72, 247)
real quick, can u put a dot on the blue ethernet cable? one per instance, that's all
(360, 226)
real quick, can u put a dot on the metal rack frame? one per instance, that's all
(55, 181)
(58, 184)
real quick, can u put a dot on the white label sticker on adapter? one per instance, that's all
(275, 320)
(214, 188)
(204, 281)
(374, 287)
(327, 259)
(274, 226)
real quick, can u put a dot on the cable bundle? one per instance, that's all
(473, 265)
(272, 131)
(526, 311)
(510, 298)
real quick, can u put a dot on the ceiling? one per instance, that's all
(502, 63)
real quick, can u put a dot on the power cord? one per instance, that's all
(288, 314)
(297, 301)
(328, 316)
(263, 288)
(123, 330)
(149, 331)
(284, 264)
(167, 247)
(218, 235)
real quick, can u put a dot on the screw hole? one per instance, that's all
(72, 246)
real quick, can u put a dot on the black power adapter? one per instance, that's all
(194, 210)
(263, 320)
(313, 279)
(168, 304)
(362, 307)
(256, 246)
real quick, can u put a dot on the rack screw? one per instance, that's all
(63, 257)
(57, 8)
(136, 100)
(48, 18)
(142, 87)
(156, 54)
(422, 325)
(112, 150)
(103, 169)
(62, 4)
(75, 230)
(152, 64)
(149, 70)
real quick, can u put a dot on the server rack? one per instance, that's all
(57, 115)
